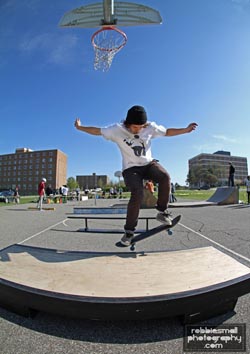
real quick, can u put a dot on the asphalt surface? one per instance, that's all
(226, 228)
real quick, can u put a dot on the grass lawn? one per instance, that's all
(180, 195)
(198, 194)
(194, 194)
(205, 194)
(24, 200)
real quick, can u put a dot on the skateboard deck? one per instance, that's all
(149, 233)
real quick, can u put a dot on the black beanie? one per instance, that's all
(136, 115)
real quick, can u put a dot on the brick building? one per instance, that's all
(25, 168)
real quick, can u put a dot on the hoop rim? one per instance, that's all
(109, 28)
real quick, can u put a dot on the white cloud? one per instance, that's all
(224, 138)
(221, 142)
(208, 148)
(56, 48)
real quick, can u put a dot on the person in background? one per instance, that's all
(41, 193)
(65, 191)
(120, 191)
(231, 175)
(78, 196)
(49, 190)
(150, 186)
(247, 183)
(16, 195)
(172, 196)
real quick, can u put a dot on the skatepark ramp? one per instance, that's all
(225, 195)
(149, 200)
(194, 284)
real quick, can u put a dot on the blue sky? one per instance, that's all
(193, 67)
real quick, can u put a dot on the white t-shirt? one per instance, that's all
(65, 190)
(135, 148)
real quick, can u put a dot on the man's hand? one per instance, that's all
(191, 127)
(88, 130)
(77, 123)
(178, 131)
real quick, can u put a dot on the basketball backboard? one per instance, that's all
(110, 13)
(109, 40)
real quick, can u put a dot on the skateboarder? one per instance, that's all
(133, 137)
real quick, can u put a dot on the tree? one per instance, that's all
(198, 176)
(194, 177)
(72, 183)
(210, 179)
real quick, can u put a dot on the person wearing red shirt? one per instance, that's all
(41, 193)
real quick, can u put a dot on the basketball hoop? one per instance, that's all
(107, 42)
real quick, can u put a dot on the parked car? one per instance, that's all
(205, 187)
(6, 196)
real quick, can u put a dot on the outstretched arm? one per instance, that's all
(88, 130)
(178, 131)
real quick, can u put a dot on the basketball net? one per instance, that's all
(107, 42)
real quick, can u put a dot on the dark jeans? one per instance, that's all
(231, 181)
(133, 178)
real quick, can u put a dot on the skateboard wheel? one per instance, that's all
(170, 232)
(132, 247)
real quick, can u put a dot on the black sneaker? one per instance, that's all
(127, 238)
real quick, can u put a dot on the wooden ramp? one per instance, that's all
(195, 284)
(149, 200)
(225, 195)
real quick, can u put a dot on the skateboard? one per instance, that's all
(154, 231)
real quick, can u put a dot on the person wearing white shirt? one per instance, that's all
(133, 137)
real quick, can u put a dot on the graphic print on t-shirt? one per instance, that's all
(137, 145)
